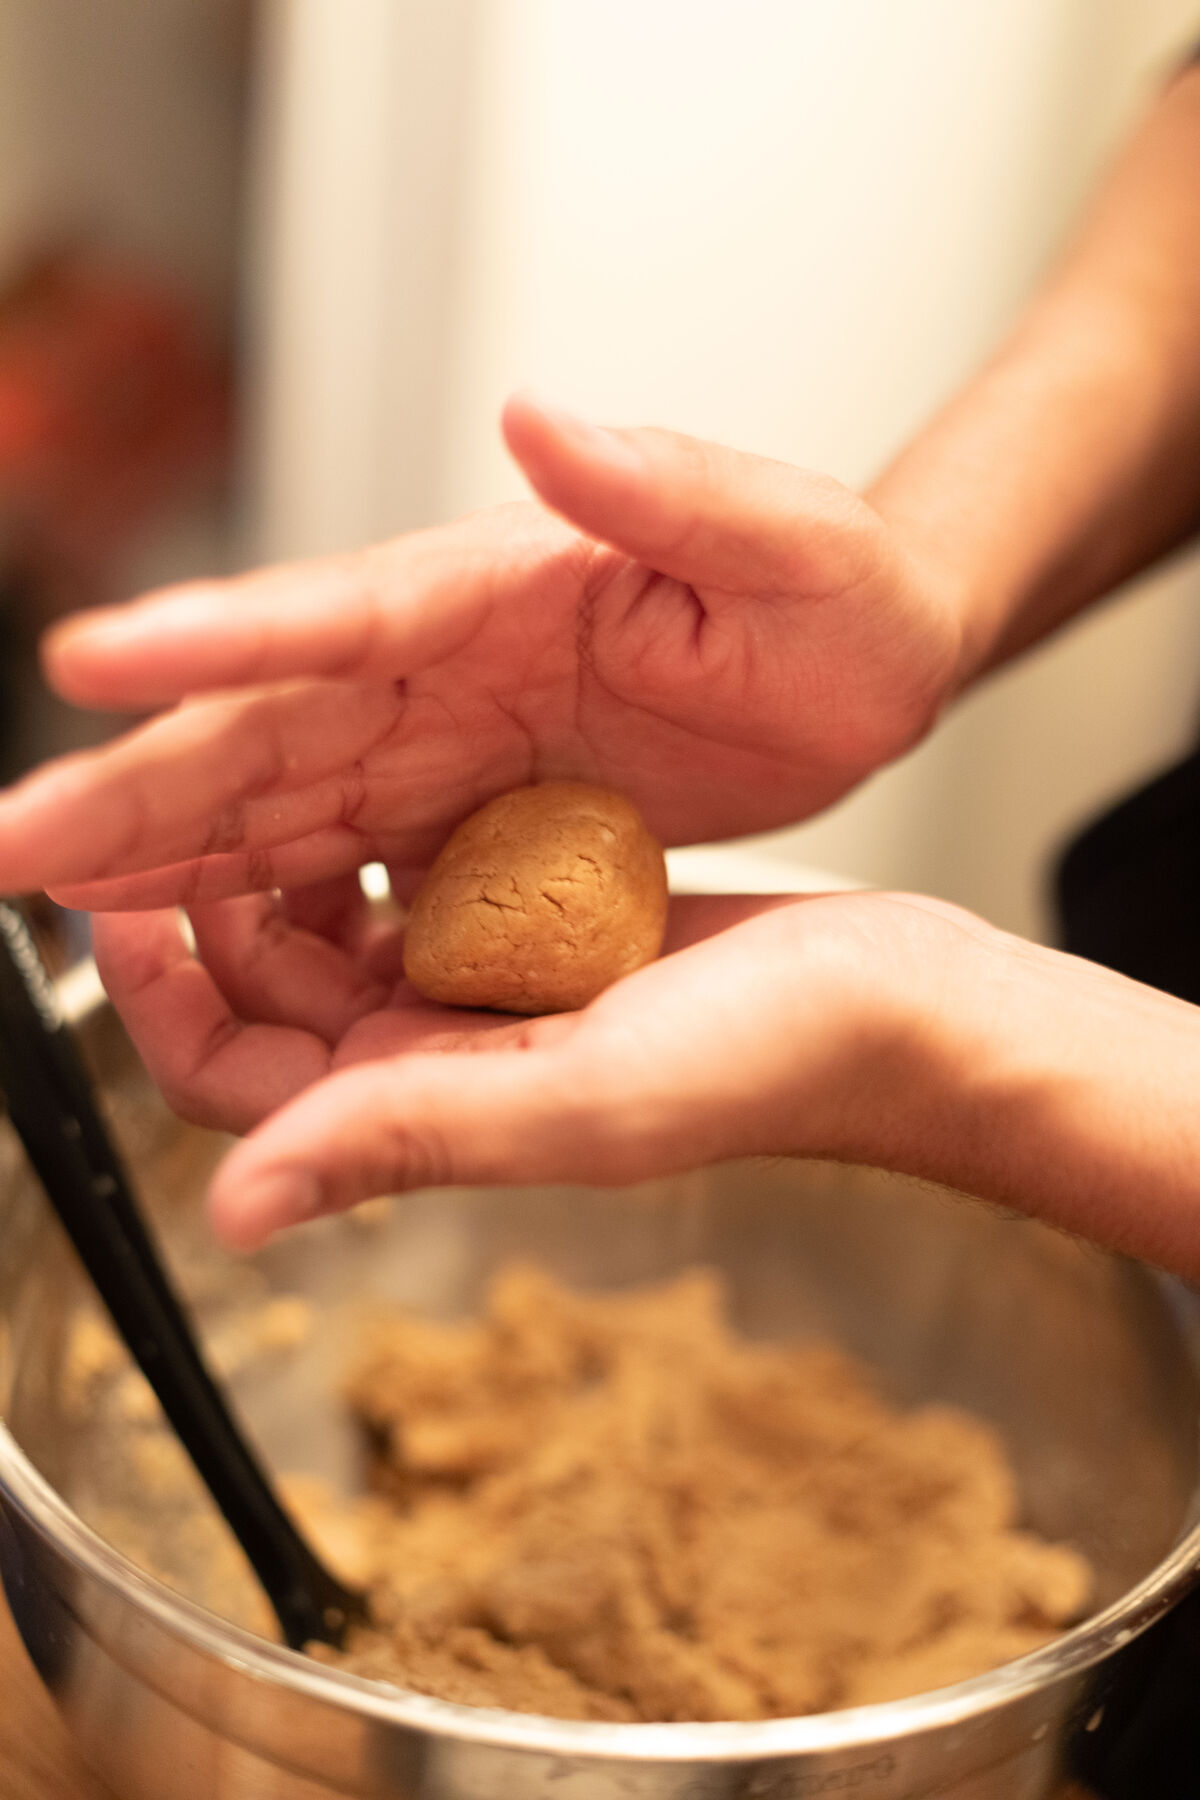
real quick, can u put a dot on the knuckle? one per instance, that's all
(596, 1128)
(188, 1101)
(689, 458)
(272, 934)
(227, 830)
(687, 465)
(412, 1156)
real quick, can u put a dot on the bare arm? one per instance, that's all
(1073, 459)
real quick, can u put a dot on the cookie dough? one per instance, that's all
(611, 1506)
(539, 900)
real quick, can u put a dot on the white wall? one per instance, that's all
(360, 134)
(788, 224)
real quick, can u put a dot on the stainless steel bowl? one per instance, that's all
(1084, 1363)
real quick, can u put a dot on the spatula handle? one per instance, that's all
(52, 1109)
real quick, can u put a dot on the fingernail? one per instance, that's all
(594, 440)
(112, 627)
(283, 1197)
(66, 631)
(107, 635)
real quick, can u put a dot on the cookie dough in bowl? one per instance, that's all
(614, 1506)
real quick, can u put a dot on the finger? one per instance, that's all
(421, 1121)
(693, 917)
(212, 777)
(382, 952)
(639, 1083)
(276, 973)
(369, 932)
(381, 614)
(336, 909)
(710, 516)
(204, 878)
(213, 1068)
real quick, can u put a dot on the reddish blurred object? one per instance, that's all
(114, 399)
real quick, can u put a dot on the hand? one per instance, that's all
(730, 642)
(741, 1038)
(885, 1029)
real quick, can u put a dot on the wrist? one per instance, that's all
(864, 1064)
(941, 530)
(1052, 1086)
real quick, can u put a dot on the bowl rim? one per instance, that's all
(26, 1490)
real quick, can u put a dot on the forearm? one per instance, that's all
(1048, 1084)
(1073, 459)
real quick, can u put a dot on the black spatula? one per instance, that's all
(53, 1112)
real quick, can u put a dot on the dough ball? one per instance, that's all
(539, 900)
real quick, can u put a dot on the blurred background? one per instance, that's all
(269, 267)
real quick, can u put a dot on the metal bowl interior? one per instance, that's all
(1085, 1364)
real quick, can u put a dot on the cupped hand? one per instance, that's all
(886, 1029)
(754, 1032)
(729, 641)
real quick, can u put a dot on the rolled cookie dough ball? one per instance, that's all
(538, 901)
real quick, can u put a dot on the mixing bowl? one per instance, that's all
(1085, 1364)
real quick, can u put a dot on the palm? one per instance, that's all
(740, 1039)
(272, 1011)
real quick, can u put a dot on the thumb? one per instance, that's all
(702, 513)
(430, 1121)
